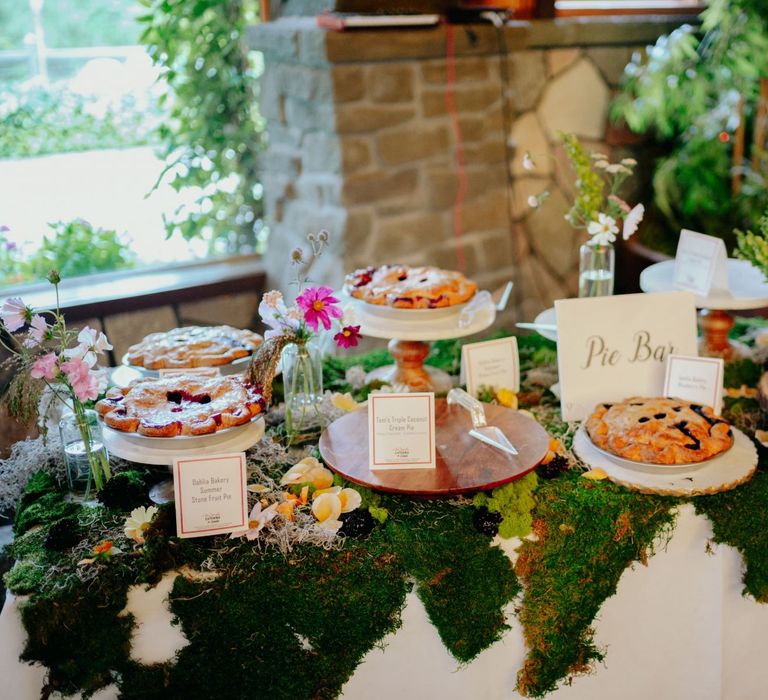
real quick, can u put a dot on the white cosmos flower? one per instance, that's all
(95, 340)
(138, 521)
(602, 231)
(632, 220)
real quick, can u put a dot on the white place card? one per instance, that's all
(493, 363)
(196, 371)
(610, 348)
(696, 379)
(211, 494)
(401, 431)
(701, 263)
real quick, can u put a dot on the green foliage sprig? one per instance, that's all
(685, 90)
(754, 246)
(211, 139)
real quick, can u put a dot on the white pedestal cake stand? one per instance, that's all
(408, 331)
(161, 451)
(747, 289)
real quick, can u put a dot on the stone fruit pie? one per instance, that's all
(181, 405)
(193, 346)
(407, 287)
(659, 431)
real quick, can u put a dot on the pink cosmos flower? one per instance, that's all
(348, 337)
(44, 367)
(83, 382)
(14, 313)
(319, 306)
(37, 329)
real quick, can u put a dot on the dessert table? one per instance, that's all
(677, 624)
(676, 628)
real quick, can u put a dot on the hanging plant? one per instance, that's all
(211, 138)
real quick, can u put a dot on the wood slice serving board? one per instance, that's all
(464, 464)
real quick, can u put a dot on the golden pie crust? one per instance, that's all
(405, 287)
(193, 346)
(659, 431)
(180, 405)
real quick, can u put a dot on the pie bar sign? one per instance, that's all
(613, 347)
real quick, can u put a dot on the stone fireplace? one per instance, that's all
(407, 145)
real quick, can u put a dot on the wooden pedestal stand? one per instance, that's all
(409, 331)
(409, 368)
(746, 290)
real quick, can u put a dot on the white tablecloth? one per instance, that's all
(678, 629)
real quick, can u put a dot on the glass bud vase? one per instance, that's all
(85, 456)
(303, 382)
(596, 270)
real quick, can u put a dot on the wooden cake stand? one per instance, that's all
(408, 332)
(747, 289)
(464, 464)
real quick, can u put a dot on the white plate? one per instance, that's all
(650, 467)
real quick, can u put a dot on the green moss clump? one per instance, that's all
(294, 628)
(743, 371)
(463, 583)
(44, 509)
(740, 519)
(588, 534)
(125, 491)
(79, 637)
(514, 502)
(38, 485)
(25, 576)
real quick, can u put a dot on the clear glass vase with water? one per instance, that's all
(596, 270)
(85, 455)
(303, 381)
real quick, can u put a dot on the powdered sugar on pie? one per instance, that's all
(193, 346)
(181, 405)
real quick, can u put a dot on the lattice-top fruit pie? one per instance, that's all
(193, 346)
(659, 431)
(181, 405)
(407, 287)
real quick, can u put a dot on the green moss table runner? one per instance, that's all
(640, 590)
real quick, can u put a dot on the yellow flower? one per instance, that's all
(507, 398)
(344, 402)
(137, 522)
(308, 470)
(597, 474)
(350, 499)
(327, 508)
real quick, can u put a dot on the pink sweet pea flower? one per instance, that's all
(44, 367)
(319, 306)
(15, 313)
(348, 337)
(83, 382)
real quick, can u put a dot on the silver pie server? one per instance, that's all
(489, 434)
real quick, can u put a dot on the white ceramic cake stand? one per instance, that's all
(725, 472)
(747, 289)
(408, 331)
(144, 450)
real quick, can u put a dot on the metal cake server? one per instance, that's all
(489, 434)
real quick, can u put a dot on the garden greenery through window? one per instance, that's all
(101, 165)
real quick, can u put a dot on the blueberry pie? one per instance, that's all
(659, 431)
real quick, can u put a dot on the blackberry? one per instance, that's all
(358, 524)
(555, 467)
(63, 534)
(486, 522)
